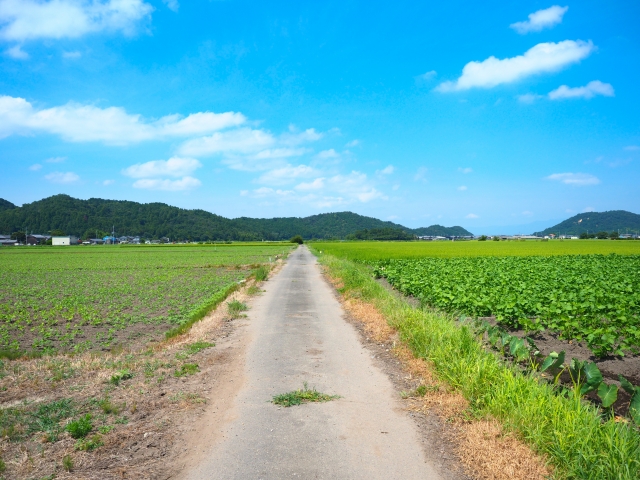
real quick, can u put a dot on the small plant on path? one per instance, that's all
(235, 307)
(304, 395)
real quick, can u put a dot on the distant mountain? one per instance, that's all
(593, 222)
(97, 217)
(6, 205)
(440, 231)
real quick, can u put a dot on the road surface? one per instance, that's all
(297, 333)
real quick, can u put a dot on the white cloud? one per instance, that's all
(317, 184)
(462, 188)
(295, 138)
(472, 216)
(62, 177)
(529, 98)
(632, 148)
(35, 167)
(429, 75)
(421, 174)
(286, 174)
(590, 90)
(55, 159)
(540, 20)
(113, 125)
(242, 140)
(576, 179)
(355, 185)
(267, 192)
(185, 183)
(17, 53)
(108, 182)
(172, 4)
(326, 154)
(174, 167)
(24, 20)
(465, 170)
(72, 55)
(353, 143)
(542, 58)
(386, 171)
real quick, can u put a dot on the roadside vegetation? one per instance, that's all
(303, 395)
(580, 439)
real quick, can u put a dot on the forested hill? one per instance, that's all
(593, 222)
(88, 218)
(440, 231)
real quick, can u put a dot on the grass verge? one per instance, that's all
(304, 395)
(559, 425)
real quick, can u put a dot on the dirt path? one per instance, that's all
(295, 333)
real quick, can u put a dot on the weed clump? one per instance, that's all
(235, 307)
(117, 377)
(187, 369)
(304, 395)
(89, 444)
(262, 273)
(80, 428)
(67, 463)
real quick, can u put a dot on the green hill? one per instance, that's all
(440, 231)
(88, 218)
(593, 222)
(6, 205)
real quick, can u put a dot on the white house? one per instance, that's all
(69, 240)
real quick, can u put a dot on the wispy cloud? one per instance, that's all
(542, 58)
(353, 143)
(62, 177)
(71, 55)
(421, 174)
(429, 75)
(185, 183)
(56, 159)
(112, 125)
(24, 20)
(17, 53)
(108, 182)
(35, 167)
(471, 216)
(632, 148)
(462, 188)
(172, 4)
(547, 18)
(388, 170)
(465, 170)
(590, 90)
(529, 98)
(575, 179)
(174, 167)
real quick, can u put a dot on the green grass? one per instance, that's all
(304, 395)
(81, 427)
(371, 251)
(556, 423)
(187, 369)
(235, 308)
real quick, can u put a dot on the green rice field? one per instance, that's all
(99, 297)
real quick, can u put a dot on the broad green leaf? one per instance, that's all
(627, 385)
(608, 394)
(592, 377)
(634, 408)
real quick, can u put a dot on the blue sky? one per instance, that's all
(495, 114)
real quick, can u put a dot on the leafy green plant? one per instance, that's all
(634, 404)
(119, 376)
(198, 346)
(3, 466)
(81, 427)
(304, 395)
(109, 407)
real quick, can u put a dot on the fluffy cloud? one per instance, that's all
(185, 183)
(542, 58)
(317, 184)
(286, 174)
(540, 20)
(174, 167)
(113, 125)
(388, 170)
(576, 179)
(22, 20)
(62, 177)
(590, 90)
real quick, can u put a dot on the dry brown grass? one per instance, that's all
(484, 449)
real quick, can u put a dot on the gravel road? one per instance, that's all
(296, 333)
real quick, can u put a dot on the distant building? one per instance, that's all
(68, 240)
(7, 241)
(37, 239)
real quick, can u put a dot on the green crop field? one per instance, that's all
(595, 298)
(86, 298)
(384, 250)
